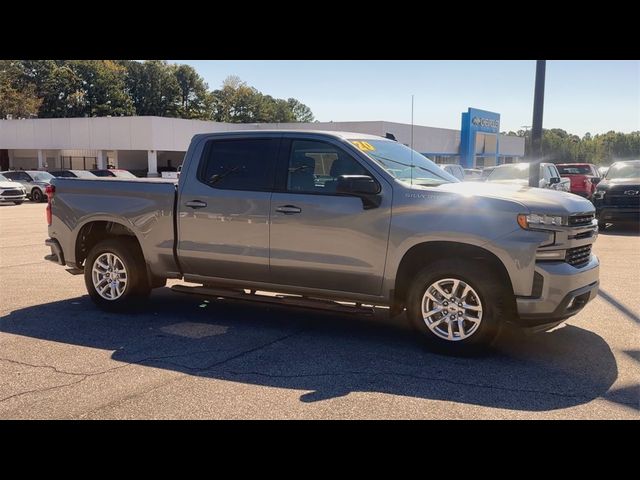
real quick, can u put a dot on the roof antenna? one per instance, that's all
(412, 139)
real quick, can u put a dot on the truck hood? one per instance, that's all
(537, 200)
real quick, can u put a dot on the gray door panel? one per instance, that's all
(332, 243)
(223, 209)
(229, 237)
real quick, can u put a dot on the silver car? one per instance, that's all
(11, 191)
(35, 182)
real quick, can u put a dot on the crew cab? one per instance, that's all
(333, 216)
(583, 176)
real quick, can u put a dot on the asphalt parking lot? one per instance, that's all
(187, 357)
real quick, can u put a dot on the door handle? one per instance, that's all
(196, 204)
(288, 209)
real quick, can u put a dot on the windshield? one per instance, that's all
(123, 174)
(624, 170)
(42, 176)
(403, 163)
(83, 174)
(516, 171)
(574, 170)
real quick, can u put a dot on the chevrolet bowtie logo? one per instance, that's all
(632, 192)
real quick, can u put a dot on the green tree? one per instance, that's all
(102, 88)
(237, 102)
(195, 99)
(153, 88)
(17, 98)
(301, 112)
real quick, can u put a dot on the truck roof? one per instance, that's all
(332, 133)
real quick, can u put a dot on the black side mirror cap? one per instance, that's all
(363, 186)
(357, 185)
(554, 180)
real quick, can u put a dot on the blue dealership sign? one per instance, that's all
(477, 121)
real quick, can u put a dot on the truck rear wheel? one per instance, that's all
(457, 305)
(115, 274)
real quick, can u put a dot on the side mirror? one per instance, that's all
(595, 180)
(362, 186)
(554, 180)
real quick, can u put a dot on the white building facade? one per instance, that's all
(149, 145)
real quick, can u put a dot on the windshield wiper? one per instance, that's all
(219, 176)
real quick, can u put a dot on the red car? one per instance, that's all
(584, 177)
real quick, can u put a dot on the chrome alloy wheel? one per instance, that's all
(451, 309)
(109, 276)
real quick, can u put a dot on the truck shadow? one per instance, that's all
(328, 355)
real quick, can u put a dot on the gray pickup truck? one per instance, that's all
(333, 216)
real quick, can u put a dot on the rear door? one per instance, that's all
(224, 209)
(321, 239)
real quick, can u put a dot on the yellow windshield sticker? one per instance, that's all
(364, 146)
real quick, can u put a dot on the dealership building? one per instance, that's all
(148, 145)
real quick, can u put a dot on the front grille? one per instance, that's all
(578, 256)
(622, 200)
(11, 193)
(579, 220)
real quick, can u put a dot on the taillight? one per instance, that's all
(50, 190)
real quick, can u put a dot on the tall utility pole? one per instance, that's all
(536, 128)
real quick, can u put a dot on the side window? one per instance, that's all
(18, 176)
(243, 164)
(314, 167)
(548, 172)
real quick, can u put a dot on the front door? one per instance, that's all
(320, 239)
(224, 210)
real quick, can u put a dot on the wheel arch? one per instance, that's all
(421, 254)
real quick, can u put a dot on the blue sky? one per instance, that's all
(580, 96)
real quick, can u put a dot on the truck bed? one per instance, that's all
(144, 205)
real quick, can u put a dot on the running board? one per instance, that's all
(278, 299)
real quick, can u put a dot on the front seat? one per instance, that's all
(301, 177)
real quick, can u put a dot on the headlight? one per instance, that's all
(599, 194)
(534, 220)
(550, 255)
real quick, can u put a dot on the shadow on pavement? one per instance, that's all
(619, 306)
(328, 356)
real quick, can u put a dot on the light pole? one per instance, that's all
(536, 127)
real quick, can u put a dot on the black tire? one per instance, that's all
(37, 195)
(137, 288)
(19, 202)
(492, 296)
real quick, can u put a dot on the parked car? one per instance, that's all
(486, 171)
(518, 173)
(472, 174)
(113, 172)
(35, 182)
(72, 174)
(462, 258)
(617, 196)
(583, 176)
(11, 191)
(455, 170)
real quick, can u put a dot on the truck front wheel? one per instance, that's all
(115, 274)
(457, 305)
